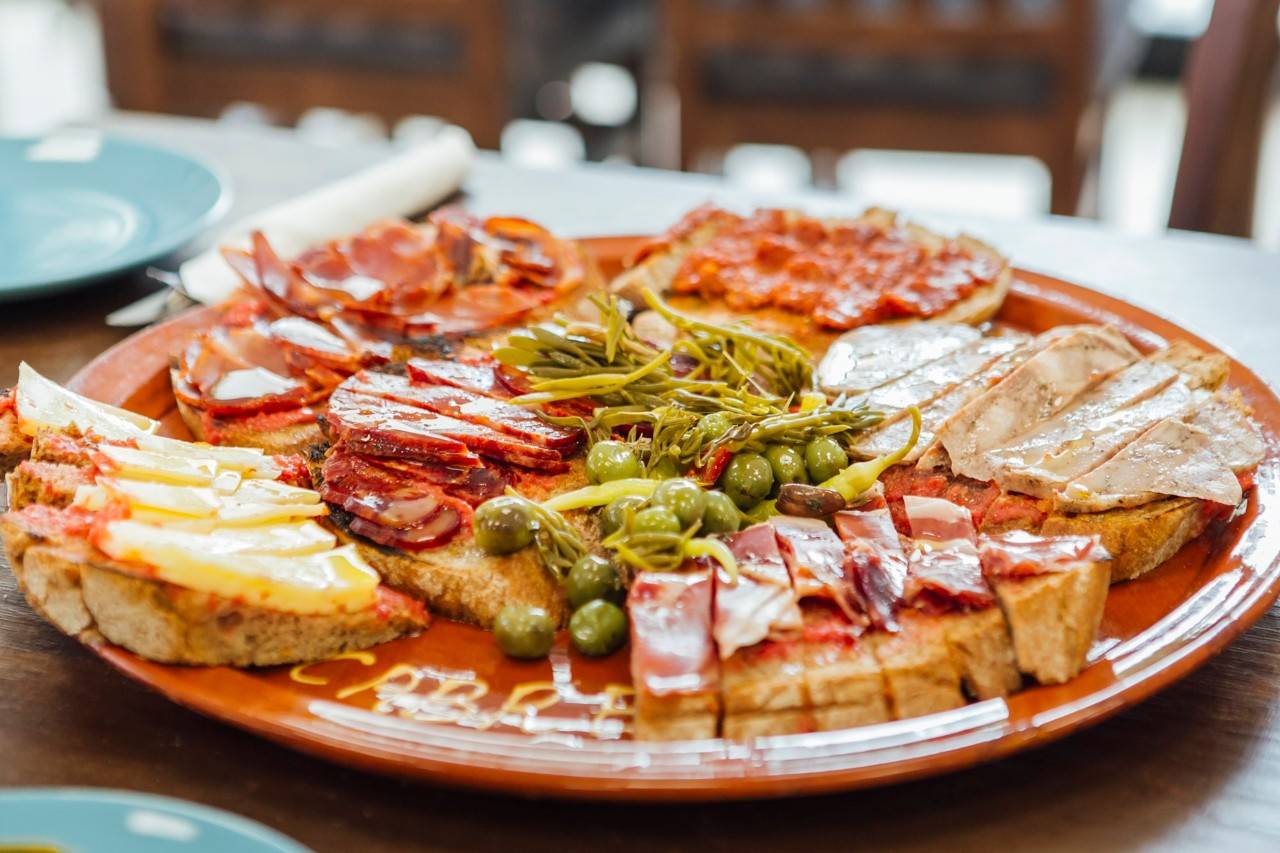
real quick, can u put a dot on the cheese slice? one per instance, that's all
(144, 465)
(191, 501)
(251, 462)
(43, 404)
(275, 492)
(330, 581)
(227, 482)
(233, 514)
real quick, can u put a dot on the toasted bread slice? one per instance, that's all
(781, 688)
(656, 271)
(1054, 618)
(14, 444)
(1138, 538)
(85, 594)
(462, 582)
(982, 652)
(797, 721)
(691, 718)
(919, 671)
(170, 624)
(49, 483)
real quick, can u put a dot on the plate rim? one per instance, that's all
(151, 251)
(1091, 706)
(245, 827)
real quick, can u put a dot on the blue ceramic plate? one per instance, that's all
(76, 206)
(89, 820)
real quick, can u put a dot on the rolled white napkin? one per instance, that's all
(406, 182)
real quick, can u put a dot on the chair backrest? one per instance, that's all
(1227, 83)
(389, 57)
(983, 76)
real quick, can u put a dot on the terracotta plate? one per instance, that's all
(447, 706)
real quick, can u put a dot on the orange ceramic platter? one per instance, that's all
(447, 706)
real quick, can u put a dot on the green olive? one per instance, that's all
(824, 457)
(503, 525)
(714, 425)
(598, 628)
(655, 519)
(666, 469)
(613, 515)
(524, 631)
(721, 515)
(683, 497)
(747, 479)
(787, 463)
(612, 460)
(594, 577)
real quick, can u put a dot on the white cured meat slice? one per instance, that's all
(1039, 389)
(926, 383)
(1091, 419)
(870, 356)
(894, 432)
(1234, 436)
(1171, 458)
(1105, 437)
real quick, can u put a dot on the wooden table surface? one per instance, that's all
(1196, 767)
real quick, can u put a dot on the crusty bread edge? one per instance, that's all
(86, 596)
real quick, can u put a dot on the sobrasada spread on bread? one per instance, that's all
(786, 465)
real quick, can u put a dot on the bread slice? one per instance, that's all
(656, 271)
(805, 685)
(85, 594)
(919, 672)
(1138, 538)
(14, 444)
(676, 716)
(1054, 618)
(48, 483)
(982, 652)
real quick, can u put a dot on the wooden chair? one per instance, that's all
(389, 57)
(906, 90)
(1227, 83)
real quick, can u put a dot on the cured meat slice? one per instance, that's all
(894, 431)
(874, 555)
(926, 383)
(815, 558)
(938, 520)
(431, 533)
(674, 666)
(383, 494)
(1038, 389)
(316, 341)
(1075, 427)
(944, 569)
(1234, 437)
(1101, 440)
(1018, 553)
(1171, 458)
(381, 427)
(479, 378)
(871, 356)
(761, 603)
(388, 507)
(496, 445)
(468, 406)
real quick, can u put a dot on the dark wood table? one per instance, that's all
(1196, 767)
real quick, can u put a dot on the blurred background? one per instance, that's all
(1144, 114)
